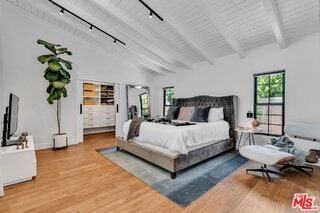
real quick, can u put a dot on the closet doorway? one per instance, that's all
(99, 108)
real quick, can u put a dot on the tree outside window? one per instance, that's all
(144, 105)
(168, 95)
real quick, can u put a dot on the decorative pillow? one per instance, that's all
(200, 114)
(185, 113)
(215, 115)
(173, 113)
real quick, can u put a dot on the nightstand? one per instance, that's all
(250, 132)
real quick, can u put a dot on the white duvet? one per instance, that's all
(177, 139)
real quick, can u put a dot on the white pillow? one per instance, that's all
(215, 115)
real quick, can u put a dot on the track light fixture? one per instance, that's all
(115, 41)
(62, 10)
(152, 12)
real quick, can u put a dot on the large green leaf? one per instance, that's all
(62, 49)
(50, 99)
(64, 52)
(50, 89)
(47, 45)
(54, 65)
(51, 76)
(64, 92)
(68, 64)
(65, 80)
(55, 95)
(65, 73)
(45, 58)
(39, 41)
(58, 84)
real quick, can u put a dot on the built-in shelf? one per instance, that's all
(98, 107)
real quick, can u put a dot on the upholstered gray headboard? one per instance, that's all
(229, 104)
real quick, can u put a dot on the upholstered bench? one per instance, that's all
(266, 157)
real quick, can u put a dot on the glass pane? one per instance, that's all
(262, 93)
(263, 79)
(275, 130)
(275, 120)
(169, 94)
(262, 110)
(276, 110)
(166, 110)
(264, 128)
(276, 78)
(276, 93)
(262, 118)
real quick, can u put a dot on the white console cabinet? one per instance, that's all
(18, 165)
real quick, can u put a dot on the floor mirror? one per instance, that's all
(138, 101)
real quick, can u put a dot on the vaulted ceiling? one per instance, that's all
(192, 31)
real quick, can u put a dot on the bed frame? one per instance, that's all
(177, 163)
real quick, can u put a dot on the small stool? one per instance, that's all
(266, 157)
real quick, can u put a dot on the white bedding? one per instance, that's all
(178, 139)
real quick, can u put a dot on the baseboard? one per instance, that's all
(39, 146)
(1, 190)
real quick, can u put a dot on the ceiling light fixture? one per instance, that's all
(152, 12)
(62, 10)
(115, 41)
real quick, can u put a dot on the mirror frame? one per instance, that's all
(128, 86)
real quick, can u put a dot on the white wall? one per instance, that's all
(23, 74)
(232, 75)
(1, 89)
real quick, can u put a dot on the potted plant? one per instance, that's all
(58, 76)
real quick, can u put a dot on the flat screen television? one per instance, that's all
(10, 120)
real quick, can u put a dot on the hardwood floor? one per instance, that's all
(79, 179)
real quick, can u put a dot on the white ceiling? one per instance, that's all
(192, 30)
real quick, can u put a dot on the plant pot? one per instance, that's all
(60, 141)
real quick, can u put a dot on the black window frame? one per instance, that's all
(255, 104)
(164, 99)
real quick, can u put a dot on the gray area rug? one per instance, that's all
(189, 184)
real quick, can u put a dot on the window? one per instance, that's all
(168, 95)
(144, 105)
(269, 99)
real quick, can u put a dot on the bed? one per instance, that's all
(193, 144)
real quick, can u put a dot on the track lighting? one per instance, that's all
(152, 12)
(91, 26)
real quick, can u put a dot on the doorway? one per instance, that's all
(99, 108)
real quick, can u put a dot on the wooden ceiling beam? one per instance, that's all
(273, 15)
(142, 50)
(135, 59)
(143, 31)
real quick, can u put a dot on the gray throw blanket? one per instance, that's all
(134, 128)
(286, 145)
